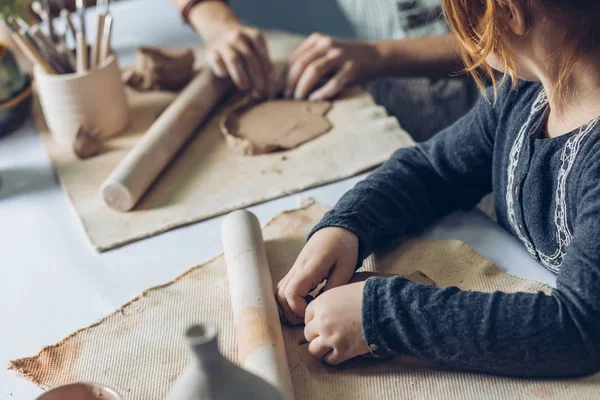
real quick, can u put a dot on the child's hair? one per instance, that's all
(573, 28)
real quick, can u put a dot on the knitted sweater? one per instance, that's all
(547, 194)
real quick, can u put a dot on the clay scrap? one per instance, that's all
(86, 144)
(159, 69)
(257, 126)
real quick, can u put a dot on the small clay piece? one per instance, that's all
(159, 69)
(210, 376)
(420, 277)
(257, 126)
(86, 144)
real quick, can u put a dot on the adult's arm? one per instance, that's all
(323, 65)
(234, 49)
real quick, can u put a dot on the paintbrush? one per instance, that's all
(28, 48)
(44, 14)
(45, 46)
(81, 11)
(101, 12)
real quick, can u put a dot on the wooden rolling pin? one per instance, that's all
(258, 330)
(142, 165)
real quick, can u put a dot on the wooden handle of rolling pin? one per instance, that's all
(142, 165)
(258, 330)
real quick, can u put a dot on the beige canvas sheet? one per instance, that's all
(206, 179)
(139, 349)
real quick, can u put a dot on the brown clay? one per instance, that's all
(257, 126)
(86, 144)
(159, 69)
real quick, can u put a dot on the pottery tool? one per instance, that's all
(43, 12)
(142, 165)
(51, 53)
(28, 48)
(261, 349)
(101, 13)
(81, 51)
(80, 4)
(106, 38)
(56, 58)
(66, 16)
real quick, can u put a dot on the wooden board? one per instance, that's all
(206, 179)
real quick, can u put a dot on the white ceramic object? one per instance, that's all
(80, 391)
(210, 376)
(153, 152)
(260, 343)
(94, 99)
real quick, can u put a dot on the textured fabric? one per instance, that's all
(394, 19)
(546, 193)
(424, 106)
(139, 349)
(206, 178)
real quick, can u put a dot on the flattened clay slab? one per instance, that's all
(257, 126)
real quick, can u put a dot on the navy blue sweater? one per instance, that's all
(547, 194)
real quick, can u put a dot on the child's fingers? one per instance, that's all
(282, 300)
(318, 348)
(310, 332)
(340, 274)
(334, 357)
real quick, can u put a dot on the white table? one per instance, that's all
(52, 282)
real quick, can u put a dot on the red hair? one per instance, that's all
(573, 28)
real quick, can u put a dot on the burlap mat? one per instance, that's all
(139, 349)
(207, 179)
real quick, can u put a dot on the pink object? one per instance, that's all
(80, 391)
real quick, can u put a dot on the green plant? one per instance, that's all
(11, 7)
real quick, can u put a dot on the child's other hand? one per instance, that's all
(331, 253)
(334, 324)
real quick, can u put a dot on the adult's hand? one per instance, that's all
(323, 65)
(241, 53)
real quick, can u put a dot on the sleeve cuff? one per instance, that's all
(372, 293)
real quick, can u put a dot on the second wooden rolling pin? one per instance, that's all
(258, 330)
(142, 165)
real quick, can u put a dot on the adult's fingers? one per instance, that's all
(318, 348)
(235, 67)
(259, 43)
(335, 85)
(315, 71)
(306, 44)
(253, 65)
(216, 64)
(300, 64)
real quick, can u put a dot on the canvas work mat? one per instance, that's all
(139, 349)
(206, 179)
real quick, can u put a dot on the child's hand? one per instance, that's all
(334, 324)
(331, 253)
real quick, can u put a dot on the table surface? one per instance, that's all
(54, 283)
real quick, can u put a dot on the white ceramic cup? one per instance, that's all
(80, 391)
(94, 99)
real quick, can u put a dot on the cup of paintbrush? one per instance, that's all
(93, 100)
